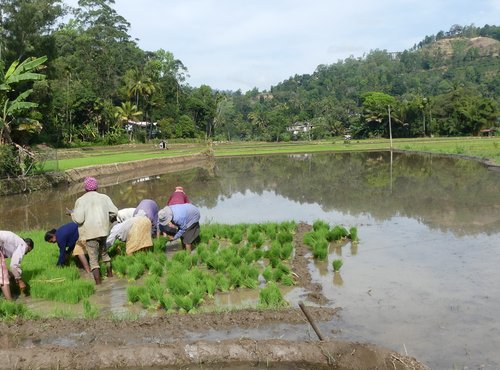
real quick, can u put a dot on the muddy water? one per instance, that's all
(423, 279)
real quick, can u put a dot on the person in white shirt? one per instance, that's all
(14, 247)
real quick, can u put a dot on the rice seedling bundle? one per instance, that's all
(135, 270)
(320, 225)
(270, 297)
(235, 277)
(223, 283)
(353, 234)
(156, 269)
(145, 300)
(180, 283)
(119, 264)
(61, 284)
(268, 273)
(288, 226)
(337, 232)
(310, 238)
(167, 302)
(237, 237)
(284, 237)
(90, 311)
(11, 310)
(287, 280)
(134, 292)
(337, 264)
(184, 302)
(320, 250)
(286, 251)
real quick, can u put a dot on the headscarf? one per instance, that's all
(90, 184)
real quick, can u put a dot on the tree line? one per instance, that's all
(75, 76)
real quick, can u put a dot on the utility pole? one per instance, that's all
(390, 125)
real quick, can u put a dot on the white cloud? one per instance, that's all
(231, 44)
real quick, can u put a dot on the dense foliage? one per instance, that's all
(99, 82)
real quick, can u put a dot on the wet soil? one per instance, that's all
(162, 341)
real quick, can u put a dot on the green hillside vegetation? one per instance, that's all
(86, 82)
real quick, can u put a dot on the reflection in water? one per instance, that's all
(429, 231)
(448, 194)
(337, 279)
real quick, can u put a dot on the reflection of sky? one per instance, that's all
(250, 207)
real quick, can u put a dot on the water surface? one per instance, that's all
(423, 279)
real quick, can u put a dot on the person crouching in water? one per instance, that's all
(92, 213)
(135, 232)
(186, 218)
(14, 247)
(66, 238)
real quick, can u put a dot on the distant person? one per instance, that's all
(135, 232)
(163, 144)
(149, 208)
(178, 197)
(186, 218)
(14, 247)
(92, 213)
(66, 238)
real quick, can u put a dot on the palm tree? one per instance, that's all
(127, 112)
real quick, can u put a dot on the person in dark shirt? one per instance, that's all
(66, 238)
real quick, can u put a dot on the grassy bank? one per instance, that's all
(478, 147)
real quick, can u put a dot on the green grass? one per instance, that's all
(480, 147)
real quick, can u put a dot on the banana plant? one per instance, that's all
(13, 109)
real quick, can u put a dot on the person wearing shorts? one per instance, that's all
(67, 239)
(93, 212)
(14, 247)
(186, 217)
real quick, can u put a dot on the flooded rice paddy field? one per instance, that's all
(422, 281)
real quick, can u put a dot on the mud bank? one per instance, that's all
(108, 174)
(160, 343)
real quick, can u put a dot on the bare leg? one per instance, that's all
(6, 292)
(188, 248)
(84, 262)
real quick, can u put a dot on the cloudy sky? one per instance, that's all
(241, 44)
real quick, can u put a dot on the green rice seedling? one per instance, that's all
(135, 270)
(353, 234)
(284, 237)
(134, 292)
(277, 274)
(151, 280)
(235, 277)
(195, 259)
(180, 283)
(210, 285)
(320, 225)
(270, 297)
(184, 302)
(63, 313)
(274, 261)
(236, 261)
(120, 265)
(320, 250)
(197, 294)
(310, 238)
(217, 263)
(156, 269)
(90, 311)
(288, 226)
(184, 258)
(223, 283)
(286, 251)
(243, 251)
(337, 264)
(258, 253)
(287, 280)
(250, 256)
(336, 233)
(283, 267)
(237, 237)
(11, 310)
(167, 302)
(61, 288)
(213, 246)
(268, 273)
(250, 283)
(145, 300)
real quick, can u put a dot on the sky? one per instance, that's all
(242, 44)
